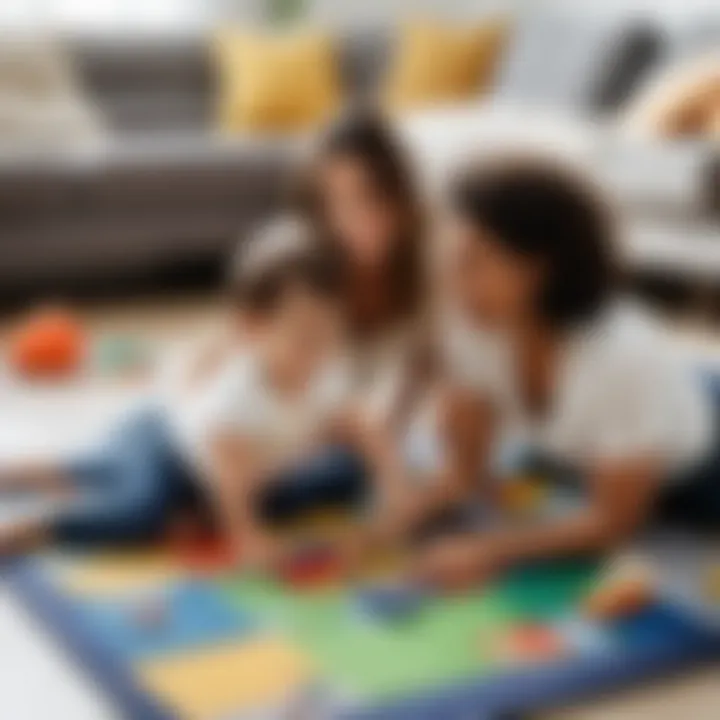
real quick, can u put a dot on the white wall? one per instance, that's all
(169, 15)
(363, 12)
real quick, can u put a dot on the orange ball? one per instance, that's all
(51, 343)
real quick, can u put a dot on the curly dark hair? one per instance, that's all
(364, 135)
(544, 210)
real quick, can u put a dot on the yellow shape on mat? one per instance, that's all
(113, 573)
(224, 680)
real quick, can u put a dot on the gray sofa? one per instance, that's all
(159, 188)
(163, 188)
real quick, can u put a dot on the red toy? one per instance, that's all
(51, 343)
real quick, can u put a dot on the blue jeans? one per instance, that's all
(133, 488)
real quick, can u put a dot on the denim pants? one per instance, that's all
(131, 489)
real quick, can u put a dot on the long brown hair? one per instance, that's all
(366, 137)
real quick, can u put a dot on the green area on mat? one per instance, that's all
(450, 639)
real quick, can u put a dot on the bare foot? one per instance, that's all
(356, 549)
(34, 476)
(19, 538)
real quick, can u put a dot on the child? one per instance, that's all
(231, 441)
(541, 346)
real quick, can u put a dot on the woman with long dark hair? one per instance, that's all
(360, 193)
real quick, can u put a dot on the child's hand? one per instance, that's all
(399, 512)
(457, 563)
(259, 551)
(355, 548)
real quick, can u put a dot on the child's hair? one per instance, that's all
(278, 256)
(539, 208)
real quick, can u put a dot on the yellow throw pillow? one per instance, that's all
(437, 62)
(272, 83)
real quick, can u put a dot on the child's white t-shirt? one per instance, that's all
(377, 368)
(240, 400)
(624, 391)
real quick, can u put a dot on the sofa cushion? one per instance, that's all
(672, 180)
(469, 54)
(275, 82)
(145, 84)
(577, 60)
(442, 139)
(137, 202)
(163, 111)
(364, 56)
(144, 63)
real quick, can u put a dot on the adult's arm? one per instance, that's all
(622, 496)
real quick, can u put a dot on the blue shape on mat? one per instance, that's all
(388, 603)
(178, 617)
(586, 637)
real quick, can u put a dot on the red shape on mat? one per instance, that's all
(206, 555)
(534, 642)
(311, 567)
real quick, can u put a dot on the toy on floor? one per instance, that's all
(51, 343)
(624, 591)
(116, 354)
